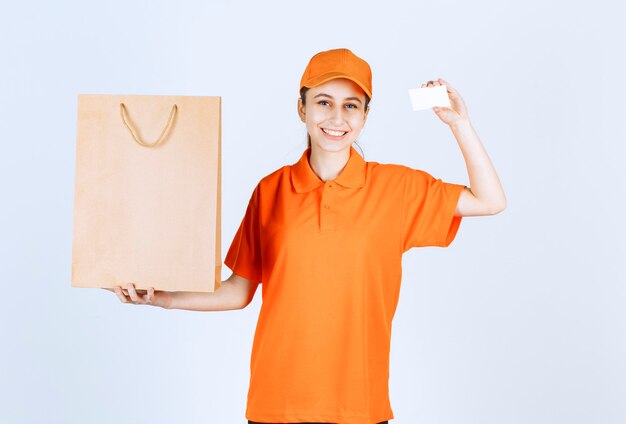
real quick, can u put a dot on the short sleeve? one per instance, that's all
(428, 207)
(244, 254)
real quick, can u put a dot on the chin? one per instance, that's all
(332, 147)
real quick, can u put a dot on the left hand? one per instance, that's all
(449, 115)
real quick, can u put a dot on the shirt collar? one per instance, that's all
(351, 176)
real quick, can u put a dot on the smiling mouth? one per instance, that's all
(334, 133)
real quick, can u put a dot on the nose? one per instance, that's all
(337, 117)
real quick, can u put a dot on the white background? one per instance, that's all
(521, 320)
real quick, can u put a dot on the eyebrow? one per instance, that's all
(347, 98)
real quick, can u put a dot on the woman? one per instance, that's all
(326, 236)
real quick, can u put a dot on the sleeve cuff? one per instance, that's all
(450, 223)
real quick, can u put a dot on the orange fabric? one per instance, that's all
(337, 63)
(328, 255)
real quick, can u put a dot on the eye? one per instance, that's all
(353, 105)
(322, 101)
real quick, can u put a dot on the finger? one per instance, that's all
(120, 295)
(448, 86)
(141, 295)
(132, 293)
(150, 295)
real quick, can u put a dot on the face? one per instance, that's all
(334, 114)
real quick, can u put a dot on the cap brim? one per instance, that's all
(334, 75)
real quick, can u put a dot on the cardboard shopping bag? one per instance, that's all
(147, 198)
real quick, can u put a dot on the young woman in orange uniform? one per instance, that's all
(325, 237)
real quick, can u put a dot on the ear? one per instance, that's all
(301, 110)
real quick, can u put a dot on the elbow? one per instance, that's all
(497, 208)
(243, 303)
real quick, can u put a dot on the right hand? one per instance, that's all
(142, 297)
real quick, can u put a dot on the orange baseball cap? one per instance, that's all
(337, 63)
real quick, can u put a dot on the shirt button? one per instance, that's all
(326, 207)
(330, 186)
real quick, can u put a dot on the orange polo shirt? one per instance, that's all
(328, 255)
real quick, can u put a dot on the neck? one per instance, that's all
(327, 165)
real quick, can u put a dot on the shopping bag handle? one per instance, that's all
(134, 134)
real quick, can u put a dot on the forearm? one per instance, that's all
(223, 299)
(484, 182)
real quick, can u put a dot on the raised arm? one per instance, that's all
(485, 195)
(234, 293)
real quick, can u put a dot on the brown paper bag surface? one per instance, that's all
(147, 198)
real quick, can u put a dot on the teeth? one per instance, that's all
(334, 133)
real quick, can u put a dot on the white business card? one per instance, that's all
(429, 97)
